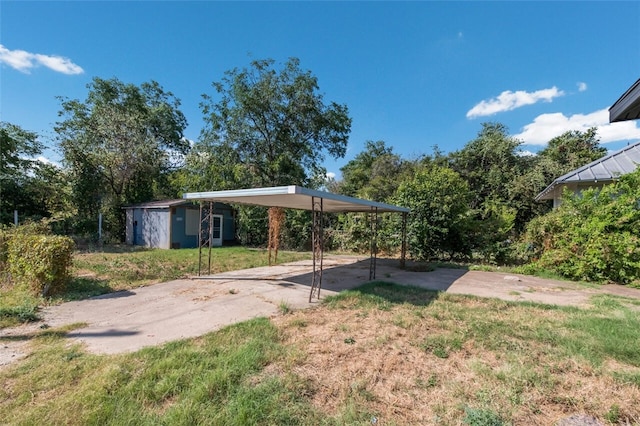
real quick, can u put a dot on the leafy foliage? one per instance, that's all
(373, 174)
(573, 149)
(439, 201)
(23, 180)
(593, 235)
(40, 262)
(268, 127)
(489, 164)
(118, 143)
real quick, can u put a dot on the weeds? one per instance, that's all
(284, 308)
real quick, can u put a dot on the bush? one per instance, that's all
(593, 236)
(8, 232)
(4, 241)
(438, 223)
(42, 263)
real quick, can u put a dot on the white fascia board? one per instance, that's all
(295, 197)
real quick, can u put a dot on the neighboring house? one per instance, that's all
(628, 106)
(175, 224)
(608, 168)
(595, 174)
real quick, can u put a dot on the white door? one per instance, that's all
(216, 230)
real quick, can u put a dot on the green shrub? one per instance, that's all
(42, 227)
(438, 224)
(593, 236)
(42, 263)
(4, 241)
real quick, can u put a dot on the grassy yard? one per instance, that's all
(124, 267)
(380, 354)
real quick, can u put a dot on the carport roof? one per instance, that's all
(294, 197)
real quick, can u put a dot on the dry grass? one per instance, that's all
(416, 365)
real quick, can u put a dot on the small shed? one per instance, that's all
(176, 224)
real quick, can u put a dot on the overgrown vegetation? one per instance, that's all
(592, 236)
(32, 258)
(469, 205)
(41, 263)
(430, 359)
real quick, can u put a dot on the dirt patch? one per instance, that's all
(14, 342)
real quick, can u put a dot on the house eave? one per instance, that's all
(627, 107)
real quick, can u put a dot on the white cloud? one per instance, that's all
(582, 86)
(509, 100)
(330, 176)
(548, 126)
(24, 61)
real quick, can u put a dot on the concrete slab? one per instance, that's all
(130, 320)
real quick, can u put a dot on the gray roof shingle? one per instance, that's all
(608, 168)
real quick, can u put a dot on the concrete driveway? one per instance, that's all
(129, 320)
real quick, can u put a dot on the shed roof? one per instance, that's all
(162, 204)
(294, 197)
(607, 168)
(628, 106)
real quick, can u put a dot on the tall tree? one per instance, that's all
(489, 163)
(17, 166)
(267, 126)
(562, 154)
(118, 143)
(271, 126)
(375, 173)
(573, 149)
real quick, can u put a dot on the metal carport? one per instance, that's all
(297, 197)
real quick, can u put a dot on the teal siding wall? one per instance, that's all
(181, 238)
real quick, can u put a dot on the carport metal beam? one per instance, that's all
(318, 202)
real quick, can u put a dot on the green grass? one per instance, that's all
(512, 360)
(17, 306)
(218, 379)
(518, 351)
(137, 267)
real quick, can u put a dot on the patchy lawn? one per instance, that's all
(380, 354)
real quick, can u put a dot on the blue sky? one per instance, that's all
(414, 74)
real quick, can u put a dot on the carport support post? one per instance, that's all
(373, 216)
(204, 233)
(317, 245)
(403, 252)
